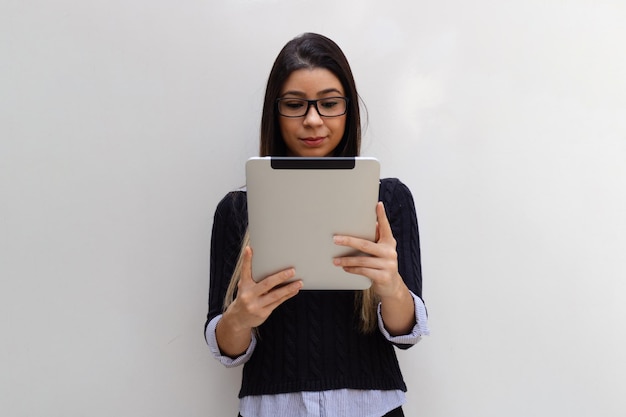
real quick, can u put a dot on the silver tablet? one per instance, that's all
(296, 206)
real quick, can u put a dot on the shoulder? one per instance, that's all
(233, 203)
(392, 190)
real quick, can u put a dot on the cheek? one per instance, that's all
(339, 127)
(287, 127)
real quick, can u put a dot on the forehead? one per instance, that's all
(312, 82)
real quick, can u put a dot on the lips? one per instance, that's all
(313, 141)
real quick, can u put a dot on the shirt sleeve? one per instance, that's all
(420, 329)
(227, 361)
(229, 227)
(402, 216)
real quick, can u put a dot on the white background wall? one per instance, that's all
(122, 124)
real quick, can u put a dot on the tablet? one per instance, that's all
(295, 207)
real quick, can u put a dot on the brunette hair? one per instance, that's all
(309, 51)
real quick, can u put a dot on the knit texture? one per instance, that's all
(312, 342)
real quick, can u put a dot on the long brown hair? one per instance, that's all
(310, 51)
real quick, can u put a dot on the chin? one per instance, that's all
(316, 153)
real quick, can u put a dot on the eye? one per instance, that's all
(292, 104)
(329, 103)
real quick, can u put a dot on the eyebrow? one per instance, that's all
(319, 93)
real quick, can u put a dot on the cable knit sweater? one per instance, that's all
(312, 342)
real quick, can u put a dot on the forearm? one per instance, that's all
(398, 311)
(232, 339)
(228, 361)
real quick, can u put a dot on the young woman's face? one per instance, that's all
(312, 134)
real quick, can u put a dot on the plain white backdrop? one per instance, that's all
(122, 124)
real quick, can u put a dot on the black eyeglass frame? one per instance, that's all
(311, 103)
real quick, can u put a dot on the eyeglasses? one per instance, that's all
(299, 107)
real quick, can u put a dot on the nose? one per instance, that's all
(312, 116)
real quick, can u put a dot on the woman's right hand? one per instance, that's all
(254, 303)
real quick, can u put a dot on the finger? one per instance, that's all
(269, 282)
(377, 238)
(362, 245)
(360, 261)
(384, 228)
(246, 267)
(275, 280)
(378, 271)
(281, 294)
(372, 273)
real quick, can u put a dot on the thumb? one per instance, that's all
(246, 266)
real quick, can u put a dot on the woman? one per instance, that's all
(316, 352)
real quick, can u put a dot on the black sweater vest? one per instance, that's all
(312, 343)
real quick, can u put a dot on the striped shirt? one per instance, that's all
(332, 403)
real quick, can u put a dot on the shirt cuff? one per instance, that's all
(227, 361)
(420, 329)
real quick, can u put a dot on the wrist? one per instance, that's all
(398, 294)
(398, 312)
(231, 321)
(232, 339)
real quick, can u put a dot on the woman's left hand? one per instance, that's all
(382, 265)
